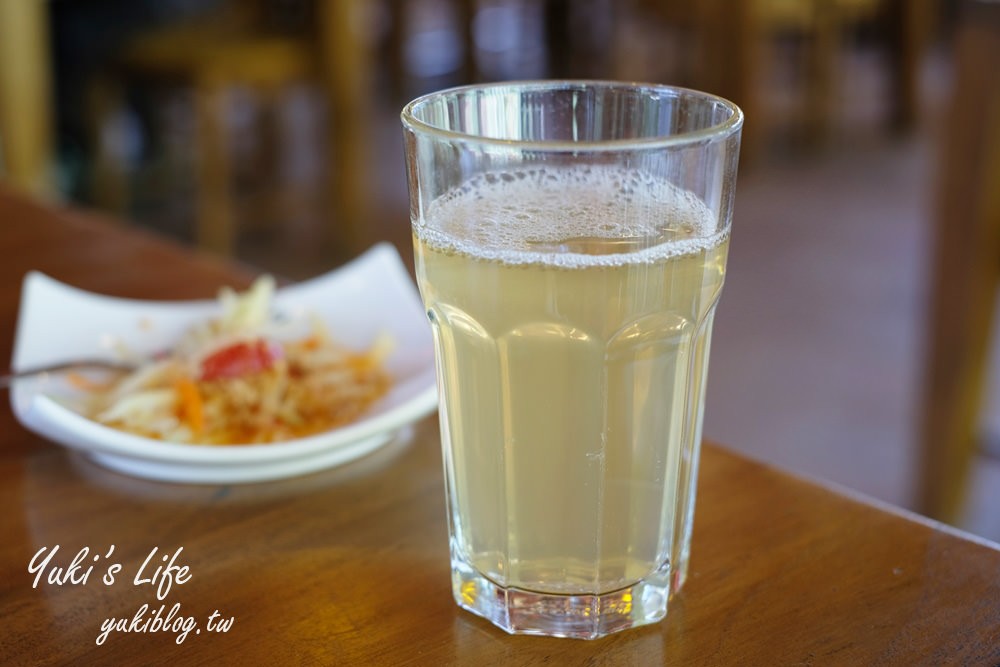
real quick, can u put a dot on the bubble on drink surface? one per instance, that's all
(570, 217)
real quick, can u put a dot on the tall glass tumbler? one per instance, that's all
(570, 241)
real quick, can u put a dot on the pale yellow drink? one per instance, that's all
(572, 353)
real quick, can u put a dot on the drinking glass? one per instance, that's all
(570, 241)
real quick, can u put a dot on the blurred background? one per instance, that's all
(267, 131)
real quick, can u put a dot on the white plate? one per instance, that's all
(371, 295)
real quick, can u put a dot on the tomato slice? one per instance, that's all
(239, 359)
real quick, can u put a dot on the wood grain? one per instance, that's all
(350, 566)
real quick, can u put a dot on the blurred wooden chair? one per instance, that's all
(232, 49)
(732, 59)
(26, 113)
(965, 269)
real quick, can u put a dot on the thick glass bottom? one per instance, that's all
(584, 616)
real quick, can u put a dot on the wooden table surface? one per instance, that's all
(350, 566)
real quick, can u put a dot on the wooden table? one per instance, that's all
(350, 566)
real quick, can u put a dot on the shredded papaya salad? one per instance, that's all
(236, 380)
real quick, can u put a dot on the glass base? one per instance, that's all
(585, 616)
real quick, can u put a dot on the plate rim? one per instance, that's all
(66, 427)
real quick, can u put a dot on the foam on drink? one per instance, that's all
(571, 218)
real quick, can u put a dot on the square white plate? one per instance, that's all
(359, 301)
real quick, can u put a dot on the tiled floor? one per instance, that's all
(816, 353)
(817, 358)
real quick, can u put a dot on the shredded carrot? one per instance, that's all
(359, 362)
(191, 406)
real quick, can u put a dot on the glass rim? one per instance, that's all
(722, 130)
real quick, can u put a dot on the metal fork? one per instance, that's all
(79, 364)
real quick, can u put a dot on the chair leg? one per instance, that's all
(911, 22)
(730, 52)
(109, 186)
(959, 354)
(967, 271)
(347, 69)
(26, 141)
(214, 209)
(821, 63)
